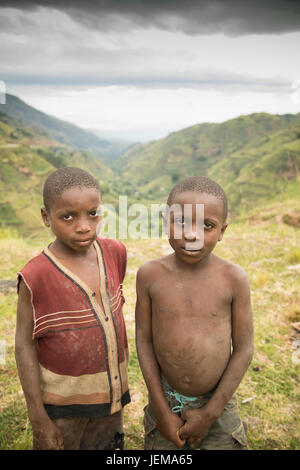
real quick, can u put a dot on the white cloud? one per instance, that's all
(146, 114)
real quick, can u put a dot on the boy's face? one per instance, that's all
(74, 217)
(195, 232)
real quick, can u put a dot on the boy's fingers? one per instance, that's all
(60, 444)
(60, 441)
(183, 432)
(181, 441)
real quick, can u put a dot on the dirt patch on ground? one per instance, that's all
(292, 219)
(7, 286)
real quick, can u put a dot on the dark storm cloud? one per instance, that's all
(230, 17)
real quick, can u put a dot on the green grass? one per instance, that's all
(269, 393)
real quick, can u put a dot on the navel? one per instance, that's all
(186, 380)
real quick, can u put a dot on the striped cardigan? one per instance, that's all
(82, 350)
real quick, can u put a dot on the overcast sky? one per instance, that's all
(142, 69)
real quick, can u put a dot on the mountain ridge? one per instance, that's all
(61, 130)
(255, 158)
(26, 159)
(222, 151)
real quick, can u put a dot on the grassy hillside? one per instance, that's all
(26, 159)
(59, 130)
(255, 158)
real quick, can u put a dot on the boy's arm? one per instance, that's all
(168, 423)
(45, 432)
(198, 424)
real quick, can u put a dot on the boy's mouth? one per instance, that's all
(191, 252)
(85, 242)
(193, 247)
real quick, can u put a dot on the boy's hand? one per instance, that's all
(47, 436)
(196, 426)
(169, 427)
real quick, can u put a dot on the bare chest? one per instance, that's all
(203, 298)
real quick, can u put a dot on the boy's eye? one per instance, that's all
(67, 217)
(95, 213)
(208, 225)
(179, 222)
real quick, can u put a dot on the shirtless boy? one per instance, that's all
(194, 330)
(71, 346)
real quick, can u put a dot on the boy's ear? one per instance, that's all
(45, 217)
(224, 227)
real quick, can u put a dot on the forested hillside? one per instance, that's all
(255, 158)
(61, 131)
(26, 158)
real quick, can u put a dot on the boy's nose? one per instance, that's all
(190, 235)
(83, 226)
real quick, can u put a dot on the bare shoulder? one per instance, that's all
(24, 311)
(23, 290)
(234, 273)
(151, 269)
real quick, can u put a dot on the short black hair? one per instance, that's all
(65, 178)
(200, 184)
